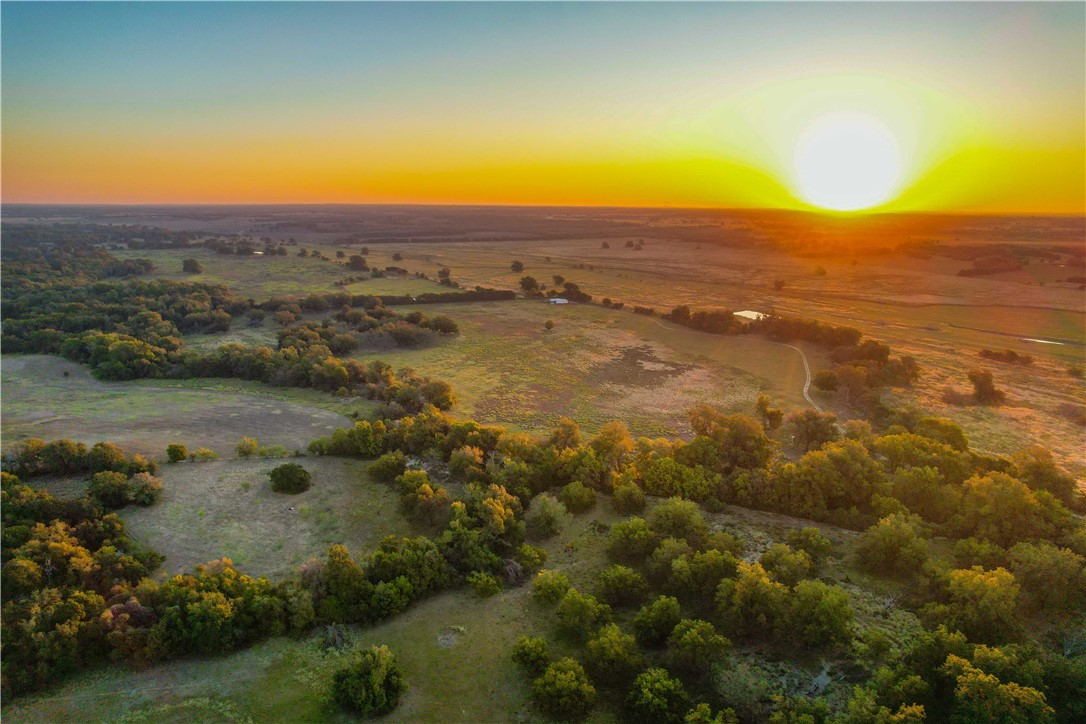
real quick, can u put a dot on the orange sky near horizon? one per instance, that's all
(608, 105)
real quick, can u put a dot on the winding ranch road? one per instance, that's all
(802, 356)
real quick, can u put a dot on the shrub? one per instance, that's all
(145, 489)
(205, 454)
(110, 489)
(550, 586)
(893, 547)
(631, 540)
(577, 497)
(388, 467)
(811, 540)
(532, 654)
(694, 645)
(484, 583)
(545, 517)
(531, 558)
(290, 478)
(564, 691)
(655, 622)
(176, 452)
(371, 685)
(613, 656)
(628, 499)
(678, 518)
(247, 447)
(656, 697)
(820, 614)
(580, 614)
(786, 565)
(622, 586)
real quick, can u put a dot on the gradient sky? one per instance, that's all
(610, 104)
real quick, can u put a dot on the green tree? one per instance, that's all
(176, 453)
(546, 516)
(631, 540)
(811, 428)
(893, 547)
(1052, 578)
(290, 478)
(532, 654)
(694, 646)
(655, 621)
(982, 697)
(820, 614)
(613, 656)
(628, 499)
(371, 685)
(564, 691)
(580, 614)
(752, 604)
(517, 267)
(550, 586)
(786, 565)
(982, 604)
(656, 697)
(622, 586)
(577, 497)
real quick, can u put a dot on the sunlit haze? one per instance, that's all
(900, 107)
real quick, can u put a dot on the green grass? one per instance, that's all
(597, 365)
(262, 277)
(207, 511)
(145, 416)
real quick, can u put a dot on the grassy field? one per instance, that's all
(40, 400)
(596, 365)
(227, 508)
(454, 649)
(261, 277)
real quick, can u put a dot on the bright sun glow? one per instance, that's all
(847, 163)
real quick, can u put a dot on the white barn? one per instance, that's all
(557, 300)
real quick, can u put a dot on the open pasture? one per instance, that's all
(261, 277)
(49, 397)
(227, 508)
(596, 365)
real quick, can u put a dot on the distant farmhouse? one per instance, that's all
(557, 300)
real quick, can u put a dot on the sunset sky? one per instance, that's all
(983, 105)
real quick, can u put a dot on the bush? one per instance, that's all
(145, 489)
(388, 467)
(631, 540)
(290, 478)
(893, 547)
(622, 586)
(811, 540)
(110, 489)
(694, 646)
(532, 654)
(550, 586)
(247, 447)
(628, 499)
(371, 685)
(205, 454)
(484, 583)
(545, 516)
(655, 622)
(613, 656)
(176, 453)
(564, 692)
(577, 497)
(656, 697)
(580, 614)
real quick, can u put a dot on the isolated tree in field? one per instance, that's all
(529, 284)
(549, 324)
(559, 280)
(517, 267)
(191, 266)
(176, 452)
(984, 389)
(564, 691)
(444, 273)
(290, 478)
(550, 586)
(371, 685)
(357, 263)
(397, 257)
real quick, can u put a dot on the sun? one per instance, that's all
(847, 163)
